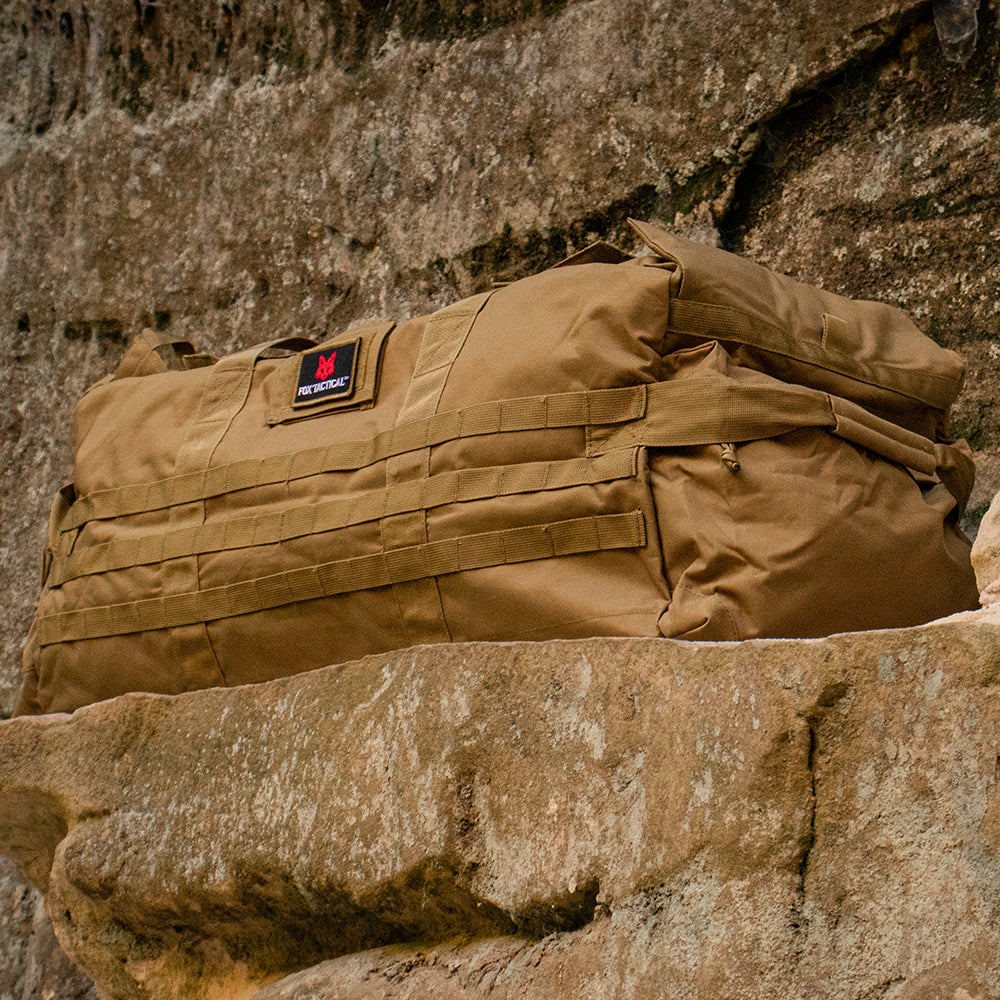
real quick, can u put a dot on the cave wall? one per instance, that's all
(234, 173)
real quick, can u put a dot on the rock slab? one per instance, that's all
(608, 817)
(236, 172)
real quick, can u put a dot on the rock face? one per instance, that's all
(234, 172)
(32, 965)
(647, 818)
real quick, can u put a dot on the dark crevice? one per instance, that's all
(825, 107)
(512, 255)
(799, 921)
(109, 333)
(810, 839)
(882, 990)
(827, 699)
(569, 912)
(272, 922)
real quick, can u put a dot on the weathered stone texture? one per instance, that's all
(236, 172)
(647, 818)
(882, 184)
(32, 965)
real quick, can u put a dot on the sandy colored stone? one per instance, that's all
(238, 172)
(986, 555)
(769, 819)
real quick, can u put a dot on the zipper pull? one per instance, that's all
(729, 459)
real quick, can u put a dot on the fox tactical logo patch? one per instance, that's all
(327, 374)
(326, 366)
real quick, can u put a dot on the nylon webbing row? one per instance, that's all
(494, 548)
(569, 409)
(707, 411)
(682, 413)
(719, 322)
(341, 512)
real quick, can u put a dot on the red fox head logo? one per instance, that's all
(325, 367)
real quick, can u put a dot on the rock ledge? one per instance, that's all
(609, 817)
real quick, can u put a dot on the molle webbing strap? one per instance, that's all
(719, 322)
(570, 409)
(340, 512)
(419, 600)
(494, 548)
(683, 413)
(444, 336)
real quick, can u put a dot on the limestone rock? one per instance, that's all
(236, 172)
(32, 965)
(986, 555)
(815, 818)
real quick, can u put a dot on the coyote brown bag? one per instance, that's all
(682, 444)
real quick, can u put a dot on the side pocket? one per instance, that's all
(700, 551)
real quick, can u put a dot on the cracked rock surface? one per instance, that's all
(607, 817)
(234, 173)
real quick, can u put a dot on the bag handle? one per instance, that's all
(143, 356)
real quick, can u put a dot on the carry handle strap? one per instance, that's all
(277, 348)
(709, 410)
(856, 424)
(143, 356)
(957, 470)
(950, 462)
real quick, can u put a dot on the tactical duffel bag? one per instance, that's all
(682, 444)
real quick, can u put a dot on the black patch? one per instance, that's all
(326, 374)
